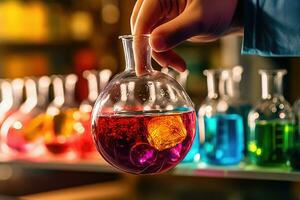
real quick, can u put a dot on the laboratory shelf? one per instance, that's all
(242, 171)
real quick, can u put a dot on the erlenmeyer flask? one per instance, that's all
(22, 131)
(143, 124)
(95, 80)
(271, 123)
(221, 126)
(62, 125)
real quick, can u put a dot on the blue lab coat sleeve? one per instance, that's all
(272, 27)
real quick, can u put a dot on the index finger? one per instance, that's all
(149, 15)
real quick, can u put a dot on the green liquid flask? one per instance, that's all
(271, 123)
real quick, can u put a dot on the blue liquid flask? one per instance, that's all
(221, 124)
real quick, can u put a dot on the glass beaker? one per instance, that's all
(221, 126)
(271, 123)
(143, 124)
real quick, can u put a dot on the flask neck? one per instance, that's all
(235, 81)
(271, 81)
(43, 91)
(6, 96)
(17, 93)
(31, 96)
(218, 83)
(69, 86)
(91, 77)
(137, 52)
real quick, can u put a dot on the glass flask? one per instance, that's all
(22, 132)
(143, 124)
(221, 126)
(238, 101)
(271, 123)
(95, 80)
(62, 125)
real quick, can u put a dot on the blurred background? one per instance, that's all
(45, 37)
(64, 36)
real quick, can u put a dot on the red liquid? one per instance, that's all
(144, 144)
(85, 145)
(21, 133)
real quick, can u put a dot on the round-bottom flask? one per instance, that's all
(143, 124)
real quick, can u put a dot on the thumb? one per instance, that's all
(172, 33)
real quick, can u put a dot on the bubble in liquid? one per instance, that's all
(165, 132)
(142, 155)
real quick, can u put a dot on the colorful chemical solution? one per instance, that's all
(23, 133)
(194, 153)
(270, 142)
(144, 144)
(224, 139)
(85, 145)
(62, 131)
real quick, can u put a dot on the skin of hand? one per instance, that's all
(170, 22)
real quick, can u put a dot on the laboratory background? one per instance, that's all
(56, 56)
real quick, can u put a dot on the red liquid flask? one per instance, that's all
(143, 124)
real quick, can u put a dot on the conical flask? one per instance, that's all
(22, 131)
(221, 126)
(271, 123)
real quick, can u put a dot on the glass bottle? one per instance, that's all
(143, 124)
(62, 125)
(221, 126)
(22, 131)
(271, 123)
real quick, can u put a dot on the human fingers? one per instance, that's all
(172, 33)
(149, 14)
(170, 59)
(135, 13)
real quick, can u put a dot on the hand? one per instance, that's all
(171, 22)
